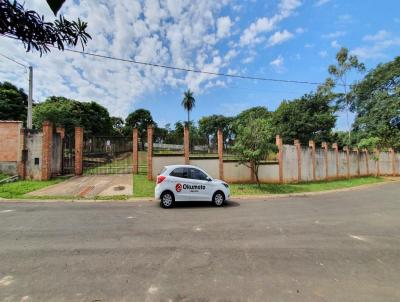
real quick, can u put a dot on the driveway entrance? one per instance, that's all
(90, 186)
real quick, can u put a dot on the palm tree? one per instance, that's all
(188, 103)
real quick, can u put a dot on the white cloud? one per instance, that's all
(323, 53)
(321, 2)
(170, 32)
(379, 36)
(334, 35)
(224, 25)
(300, 30)
(278, 64)
(376, 45)
(279, 37)
(252, 34)
(335, 44)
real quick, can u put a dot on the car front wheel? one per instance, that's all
(218, 199)
(167, 200)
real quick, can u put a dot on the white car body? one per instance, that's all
(187, 188)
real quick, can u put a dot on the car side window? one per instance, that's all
(180, 172)
(197, 174)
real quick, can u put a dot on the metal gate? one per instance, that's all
(68, 152)
(107, 155)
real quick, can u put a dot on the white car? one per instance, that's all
(187, 183)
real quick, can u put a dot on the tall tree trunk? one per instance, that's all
(188, 119)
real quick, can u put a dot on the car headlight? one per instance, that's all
(225, 185)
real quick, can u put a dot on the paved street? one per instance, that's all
(332, 247)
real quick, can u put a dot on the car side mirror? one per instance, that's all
(209, 179)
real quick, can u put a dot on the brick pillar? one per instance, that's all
(326, 164)
(358, 160)
(366, 160)
(347, 160)
(377, 163)
(186, 141)
(150, 152)
(220, 154)
(311, 144)
(78, 150)
(135, 151)
(393, 155)
(298, 151)
(47, 129)
(22, 155)
(279, 144)
(336, 148)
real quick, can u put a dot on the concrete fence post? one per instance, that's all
(358, 160)
(78, 150)
(150, 152)
(347, 150)
(336, 148)
(298, 151)
(377, 163)
(21, 168)
(311, 144)
(220, 154)
(366, 160)
(47, 140)
(324, 146)
(135, 151)
(278, 141)
(393, 157)
(186, 142)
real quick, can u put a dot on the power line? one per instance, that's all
(193, 70)
(13, 60)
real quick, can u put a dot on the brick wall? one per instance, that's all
(10, 146)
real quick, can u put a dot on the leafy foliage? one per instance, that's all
(30, 28)
(376, 102)
(139, 119)
(209, 125)
(13, 102)
(310, 117)
(254, 141)
(68, 113)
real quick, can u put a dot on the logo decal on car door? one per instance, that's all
(178, 187)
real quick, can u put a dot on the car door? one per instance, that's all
(178, 178)
(200, 187)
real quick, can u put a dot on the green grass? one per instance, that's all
(3, 176)
(19, 188)
(253, 189)
(145, 188)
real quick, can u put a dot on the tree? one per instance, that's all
(117, 125)
(13, 103)
(258, 111)
(376, 101)
(310, 117)
(30, 28)
(188, 103)
(209, 125)
(345, 63)
(139, 119)
(68, 113)
(254, 141)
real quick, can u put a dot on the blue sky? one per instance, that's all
(284, 39)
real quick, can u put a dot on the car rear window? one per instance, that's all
(180, 172)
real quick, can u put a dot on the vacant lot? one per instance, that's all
(333, 247)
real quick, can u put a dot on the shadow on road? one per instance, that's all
(203, 204)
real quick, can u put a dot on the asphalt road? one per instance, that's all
(332, 247)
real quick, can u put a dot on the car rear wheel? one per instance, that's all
(167, 200)
(219, 199)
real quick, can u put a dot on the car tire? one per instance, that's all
(218, 199)
(167, 200)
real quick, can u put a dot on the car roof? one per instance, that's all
(181, 166)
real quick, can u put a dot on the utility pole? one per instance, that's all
(29, 116)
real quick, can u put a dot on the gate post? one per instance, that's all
(220, 154)
(336, 148)
(325, 147)
(311, 144)
(150, 152)
(298, 151)
(47, 129)
(78, 150)
(278, 142)
(186, 144)
(135, 152)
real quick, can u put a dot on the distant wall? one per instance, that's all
(33, 164)
(209, 165)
